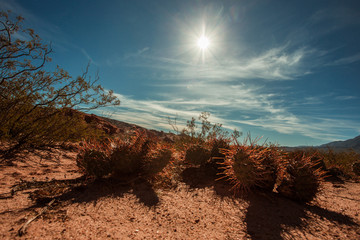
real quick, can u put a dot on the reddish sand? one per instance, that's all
(197, 208)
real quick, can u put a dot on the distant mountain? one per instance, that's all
(338, 146)
(353, 143)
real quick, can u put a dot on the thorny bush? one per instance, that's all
(123, 159)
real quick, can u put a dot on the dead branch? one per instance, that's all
(22, 230)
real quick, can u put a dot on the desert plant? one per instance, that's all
(301, 179)
(32, 100)
(356, 168)
(316, 157)
(123, 159)
(250, 166)
(343, 160)
(128, 157)
(169, 176)
(140, 155)
(216, 155)
(95, 162)
(197, 154)
(93, 159)
(191, 135)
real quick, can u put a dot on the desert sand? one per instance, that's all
(198, 207)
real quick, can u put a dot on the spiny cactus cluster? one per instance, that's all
(296, 175)
(249, 167)
(122, 159)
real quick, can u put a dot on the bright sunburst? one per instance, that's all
(203, 43)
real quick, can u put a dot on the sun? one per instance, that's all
(203, 43)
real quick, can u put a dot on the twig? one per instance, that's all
(22, 230)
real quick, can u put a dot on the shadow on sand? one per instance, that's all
(202, 177)
(271, 218)
(269, 215)
(82, 191)
(100, 188)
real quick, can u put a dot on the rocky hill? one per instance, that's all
(114, 127)
(353, 143)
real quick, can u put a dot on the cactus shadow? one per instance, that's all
(273, 217)
(92, 192)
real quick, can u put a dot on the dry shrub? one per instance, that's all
(356, 168)
(316, 157)
(336, 163)
(249, 167)
(94, 158)
(139, 155)
(128, 157)
(342, 160)
(301, 179)
(197, 154)
(169, 176)
(33, 99)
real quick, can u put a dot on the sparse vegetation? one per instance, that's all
(342, 160)
(124, 159)
(197, 155)
(251, 166)
(34, 101)
(302, 176)
(37, 109)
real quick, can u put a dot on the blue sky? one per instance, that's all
(285, 70)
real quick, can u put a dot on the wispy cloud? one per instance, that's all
(225, 89)
(46, 29)
(346, 60)
(154, 114)
(344, 98)
(138, 53)
(275, 64)
(51, 34)
(89, 58)
(326, 129)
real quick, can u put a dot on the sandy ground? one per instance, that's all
(198, 208)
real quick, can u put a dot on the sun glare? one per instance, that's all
(203, 43)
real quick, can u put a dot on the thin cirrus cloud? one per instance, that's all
(344, 98)
(234, 82)
(224, 88)
(154, 114)
(346, 60)
(274, 64)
